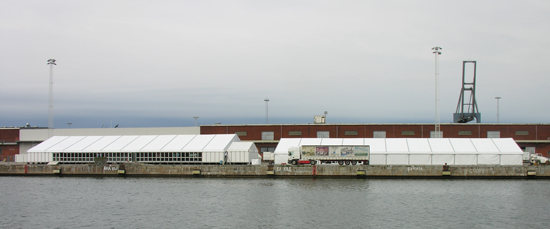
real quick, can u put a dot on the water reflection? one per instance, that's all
(73, 202)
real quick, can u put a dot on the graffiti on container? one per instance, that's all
(288, 169)
(110, 168)
(413, 168)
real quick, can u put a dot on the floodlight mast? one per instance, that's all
(437, 133)
(498, 108)
(266, 113)
(51, 62)
(195, 117)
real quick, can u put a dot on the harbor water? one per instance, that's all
(117, 202)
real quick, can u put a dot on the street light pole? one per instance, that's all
(266, 114)
(51, 62)
(196, 117)
(437, 52)
(498, 108)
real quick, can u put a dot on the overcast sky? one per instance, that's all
(159, 63)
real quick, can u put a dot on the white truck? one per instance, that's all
(311, 154)
(537, 158)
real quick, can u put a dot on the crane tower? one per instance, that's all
(466, 110)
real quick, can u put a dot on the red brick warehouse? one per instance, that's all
(532, 137)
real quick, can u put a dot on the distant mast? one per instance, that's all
(51, 62)
(266, 111)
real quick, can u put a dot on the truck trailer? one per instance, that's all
(311, 154)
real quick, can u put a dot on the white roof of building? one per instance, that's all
(137, 143)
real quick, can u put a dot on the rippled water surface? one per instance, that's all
(73, 202)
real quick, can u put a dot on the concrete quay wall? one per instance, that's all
(542, 171)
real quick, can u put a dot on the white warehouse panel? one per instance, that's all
(82, 144)
(506, 145)
(120, 143)
(66, 143)
(353, 141)
(397, 159)
(463, 145)
(198, 143)
(42, 147)
(158, 143)
(441, 159)
(310, 141)
(220, 143)
(465, 159)
(331, 141)
(420, 159)
(440, 145)
(396, 145)
(377, 145)
(137, 144)
(419, 145)
(484, 146)
(488, 159)
(511, 159)
(100, 144)
(178, 143)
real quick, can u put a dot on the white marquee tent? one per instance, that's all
(421, 151)
(144, 148)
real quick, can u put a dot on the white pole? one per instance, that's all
(498, 109)
(51, 62)
(266, 114)
(437, 52)
(196, 117)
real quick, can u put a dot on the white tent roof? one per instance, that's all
(285, 143)
(220, 142)
(137, 143)
(241, 146)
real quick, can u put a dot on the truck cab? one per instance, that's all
(293, 155)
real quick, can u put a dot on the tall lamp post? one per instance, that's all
(266, 114)
(196, 117)
(51, 62)
(437, 52)
(498, 109)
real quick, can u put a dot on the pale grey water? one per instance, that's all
(84, 202)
